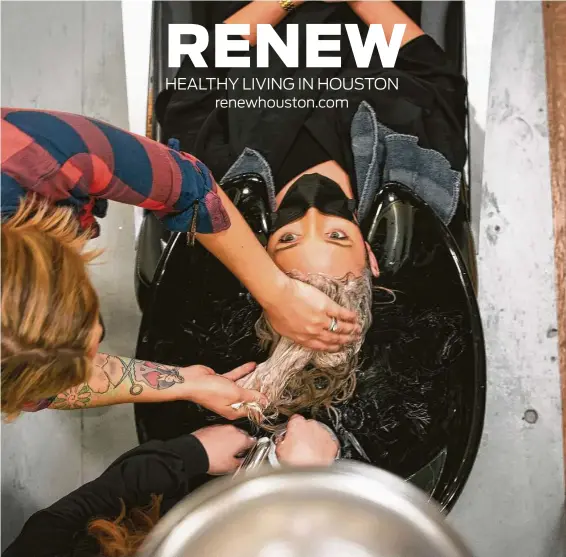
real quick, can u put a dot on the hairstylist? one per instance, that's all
(86, 524)
(50, 314)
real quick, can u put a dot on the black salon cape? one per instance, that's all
(166, 468)
(430, 103)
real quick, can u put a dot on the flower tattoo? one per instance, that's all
(108, 374)
(75, 397)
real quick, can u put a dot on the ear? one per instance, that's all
(92, 350)
(372, 261)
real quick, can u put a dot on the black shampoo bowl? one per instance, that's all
(419, 404)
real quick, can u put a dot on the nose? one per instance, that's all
(312, 224)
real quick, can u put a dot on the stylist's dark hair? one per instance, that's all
(49, 306)
(123, 536)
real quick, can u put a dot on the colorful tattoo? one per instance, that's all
(159, 377)
(73, 398)
(109, 372)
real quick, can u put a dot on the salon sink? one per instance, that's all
(419, 403)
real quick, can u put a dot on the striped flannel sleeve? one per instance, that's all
(70, 159)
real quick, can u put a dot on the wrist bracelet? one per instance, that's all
(287, 5)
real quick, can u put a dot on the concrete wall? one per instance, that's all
(480, 16)
(513, 505)
(69, 56)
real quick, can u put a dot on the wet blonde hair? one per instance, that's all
(295, 378)
(49, 306)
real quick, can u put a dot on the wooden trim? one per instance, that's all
(554, 14)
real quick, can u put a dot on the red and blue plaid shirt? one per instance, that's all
(79, 161)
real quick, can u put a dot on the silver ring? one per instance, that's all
(333, 325)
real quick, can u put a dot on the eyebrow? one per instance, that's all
(336, 243)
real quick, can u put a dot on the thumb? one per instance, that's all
(243, 442)
(295, 421)
(296, 418)
(249, 395)
(240, 371)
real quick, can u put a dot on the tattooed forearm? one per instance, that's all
(157, 376)
(115, 380)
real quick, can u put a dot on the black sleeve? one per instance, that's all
(427, 62)
(427, 99)
(182, 109)
(158, 467)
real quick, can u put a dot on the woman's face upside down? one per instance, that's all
(316, 240)
(319, 243)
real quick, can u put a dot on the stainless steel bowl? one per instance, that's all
(348, 510)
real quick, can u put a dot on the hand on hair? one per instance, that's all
(223, 443)
(307, 443)
(304, 314)
(204, 386)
